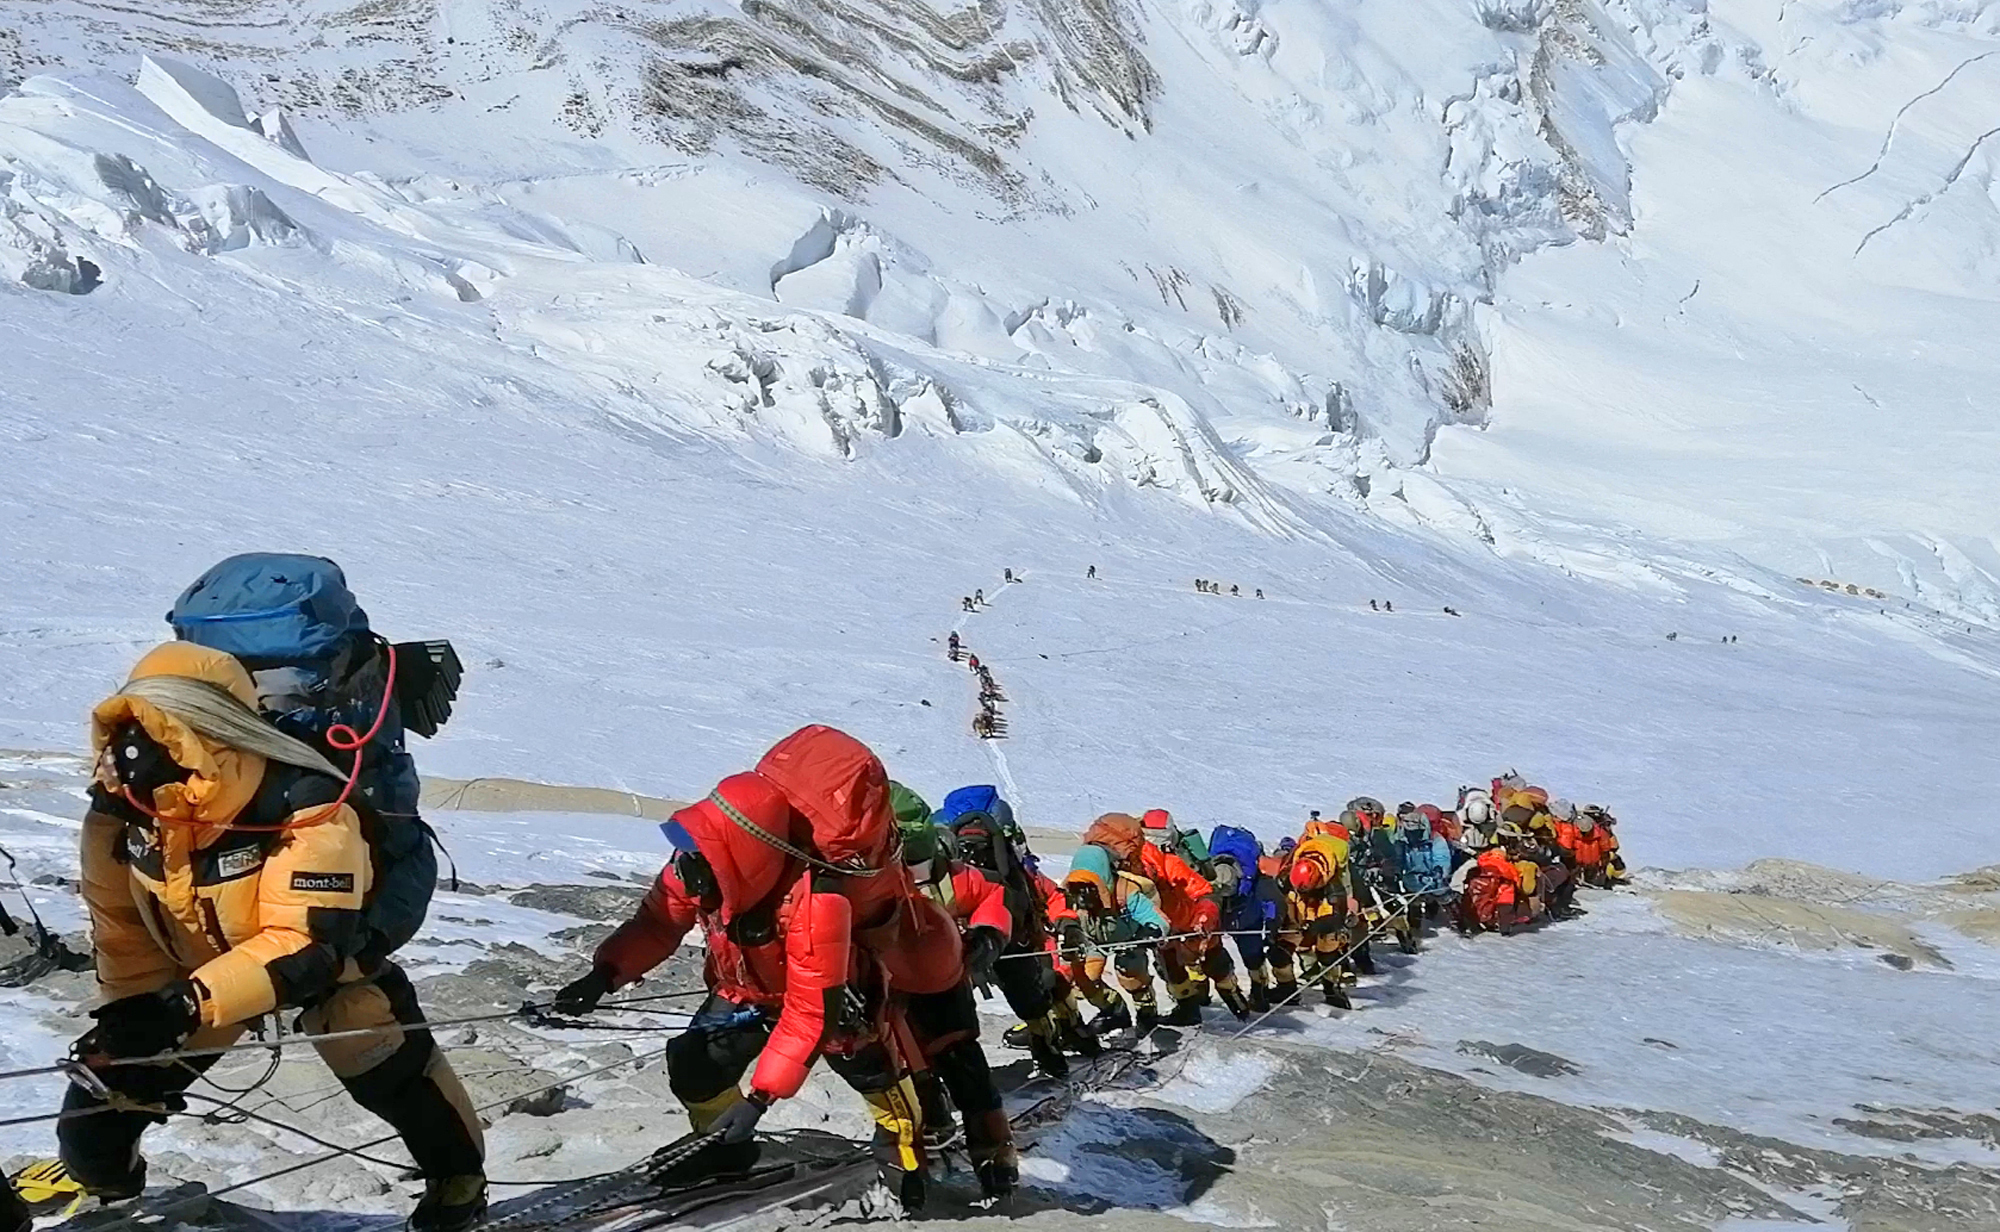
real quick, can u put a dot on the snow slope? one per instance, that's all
(685, 367)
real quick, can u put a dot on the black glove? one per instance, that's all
(579, 997)
(739, 1121)
(143, 1023)
(982, 951)
(1071, 939)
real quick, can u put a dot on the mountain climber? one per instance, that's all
(1424, 858)
(1114, 912)
(1607, 863)
(1565, 842)
(953, 647)
(1374, 869)
(1476, 819)
(1192, 956)
(818, 944)
(1491, 888)
(1315, 908)
(1249, 902)
(979, 598)
(982, 825)
(1008, 575)
(228, 869)
(1091, 573)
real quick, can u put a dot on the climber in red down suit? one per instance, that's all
(819, 945)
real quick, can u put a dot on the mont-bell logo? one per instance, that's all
(324, 883)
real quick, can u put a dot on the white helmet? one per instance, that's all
(1562, 810)
(1475, 807)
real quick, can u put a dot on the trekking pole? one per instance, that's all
(1319, 972)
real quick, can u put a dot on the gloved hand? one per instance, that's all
(739, 1121)
(1072, 940)
(982, 951)
(579, 997)
(143, 1023)
(1207, 916)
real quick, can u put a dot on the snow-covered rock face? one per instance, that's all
(1303, 222)
(1301, 198)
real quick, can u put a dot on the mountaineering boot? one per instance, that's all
(1260, 998)
(1117, 1018)
(1147, 1018)
(14, 1216)
(1283, 992)
(1336, 996)
(1186, 1012)
(908, 1188)
(450, 1204)
(999, 1177)
(1073, 1036)
(1048, 1058)
(1233, 998)
(1364, 962)
(1017, 1036)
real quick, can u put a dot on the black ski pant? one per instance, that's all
(707, 1061)
(396, 1073)
(946, 1025)
(1027, 979)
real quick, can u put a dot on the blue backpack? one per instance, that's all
(296, 627)
(962, 801)
(1236, 844)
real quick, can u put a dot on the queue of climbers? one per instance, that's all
(253, 847)
(989, 722)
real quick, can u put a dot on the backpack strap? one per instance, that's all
(287, 790)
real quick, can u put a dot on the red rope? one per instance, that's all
(340, 736)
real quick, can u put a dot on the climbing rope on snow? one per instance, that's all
(1318, 973)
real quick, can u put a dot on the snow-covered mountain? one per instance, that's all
(686, 362)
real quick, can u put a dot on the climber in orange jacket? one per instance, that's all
(1187, 962)
(1494, 889)
(1316, 909)
(226, 871)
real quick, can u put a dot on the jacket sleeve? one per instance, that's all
(129, 960)
(310, 896)
(982, 903)
(653, 933)
(1146, 913)
(819, 946)
(1178, 873)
